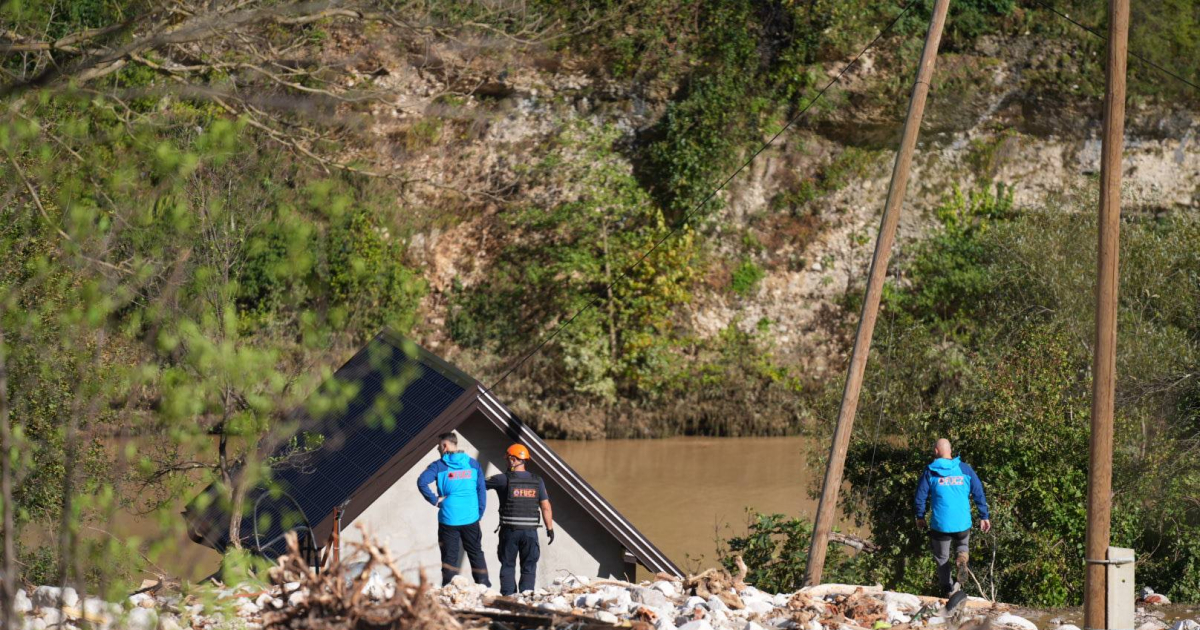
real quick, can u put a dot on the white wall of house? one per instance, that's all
(407, 524)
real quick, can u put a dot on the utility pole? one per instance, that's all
(827, 508)
(1099, 505)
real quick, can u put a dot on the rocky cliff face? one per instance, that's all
(469, 120)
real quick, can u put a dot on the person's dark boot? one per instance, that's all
(956, 599)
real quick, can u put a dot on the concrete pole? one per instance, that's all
(1099, 505)
(827, 508)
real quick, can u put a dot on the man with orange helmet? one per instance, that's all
(522, 497)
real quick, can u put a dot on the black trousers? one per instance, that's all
(516, 543)
(452, 539)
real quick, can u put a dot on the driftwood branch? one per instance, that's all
(856, 542)
(825, 590)
(14, 42)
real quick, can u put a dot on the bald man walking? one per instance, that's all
(947, 483)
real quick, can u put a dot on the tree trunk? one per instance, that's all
(857, 542)
(235, 511)
(8, 586)
(612, 305)
(236, 504)
(66, 534)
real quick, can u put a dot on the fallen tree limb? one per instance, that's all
(821, 591)
(976, 603)
(857, 542)
(825, 590)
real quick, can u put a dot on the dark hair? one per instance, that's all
(448, 437)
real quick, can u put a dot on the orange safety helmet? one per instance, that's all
(518, 451)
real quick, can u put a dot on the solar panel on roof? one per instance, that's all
(397, 396)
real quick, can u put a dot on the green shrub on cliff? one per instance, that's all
(586, 251)
(746, 277)
(751, 64)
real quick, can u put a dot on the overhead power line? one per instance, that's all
(1100, 35)
(683, 221)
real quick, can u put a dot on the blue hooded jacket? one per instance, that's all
(948, 483)
(460, 484)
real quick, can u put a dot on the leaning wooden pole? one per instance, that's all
(1099, 505)
(827, 508)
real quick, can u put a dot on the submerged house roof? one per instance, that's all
(398, 397)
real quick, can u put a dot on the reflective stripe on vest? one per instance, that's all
(521, 508)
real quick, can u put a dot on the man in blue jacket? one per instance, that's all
(948, 483)
(460, 499)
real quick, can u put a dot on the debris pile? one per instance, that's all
(714, 600)
(372, 593)
(352, 599)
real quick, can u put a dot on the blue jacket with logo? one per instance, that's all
(460, 485)
(948, 483)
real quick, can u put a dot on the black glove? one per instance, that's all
(550, 535)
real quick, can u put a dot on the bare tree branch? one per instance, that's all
(67, 43)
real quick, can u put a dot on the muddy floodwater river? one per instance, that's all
(683, 493)
(686, 493)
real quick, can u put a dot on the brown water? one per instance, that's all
(169, 549)
(683, 493)
(686, 493)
